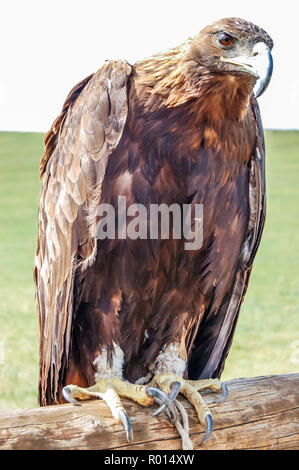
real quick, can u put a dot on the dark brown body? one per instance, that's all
(158, 287)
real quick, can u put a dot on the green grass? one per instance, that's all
(268, 322)
(19, 194)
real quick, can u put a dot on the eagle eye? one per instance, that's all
(225, 40)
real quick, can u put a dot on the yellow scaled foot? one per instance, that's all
(169, 383)
(111, 390)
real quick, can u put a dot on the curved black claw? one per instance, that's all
(66, 393)
(209, 428)
(224, 393)
(167, 401)
(127, 424)
(175, 389)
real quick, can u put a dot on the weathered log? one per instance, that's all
(259, 413)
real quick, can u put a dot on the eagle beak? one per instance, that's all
(259, 65)
(264, 65)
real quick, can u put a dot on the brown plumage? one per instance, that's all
(180, 127)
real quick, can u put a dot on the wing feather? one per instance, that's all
(73, 166)
(213, 340)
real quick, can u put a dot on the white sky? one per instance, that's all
(49, 45)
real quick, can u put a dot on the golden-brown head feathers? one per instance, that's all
(196, 70)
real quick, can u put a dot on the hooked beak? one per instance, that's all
(259, 65)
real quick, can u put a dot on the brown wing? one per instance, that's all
(214, 337)
(73, 167)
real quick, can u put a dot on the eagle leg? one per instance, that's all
(110, 390)
(110, 387)
(169, 370)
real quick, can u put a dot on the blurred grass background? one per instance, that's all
(268, 324)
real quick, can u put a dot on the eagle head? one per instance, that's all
(236, 48)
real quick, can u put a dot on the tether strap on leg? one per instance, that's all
(183, 428)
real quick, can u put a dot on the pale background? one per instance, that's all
(49, 45)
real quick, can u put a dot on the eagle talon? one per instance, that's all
(126, 424)
(167, 401)
(66, 393)
(209, 428)
(175, 389)
(224, 393)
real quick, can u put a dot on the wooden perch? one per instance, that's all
(259, 413)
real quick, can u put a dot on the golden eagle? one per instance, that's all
(145, 318)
